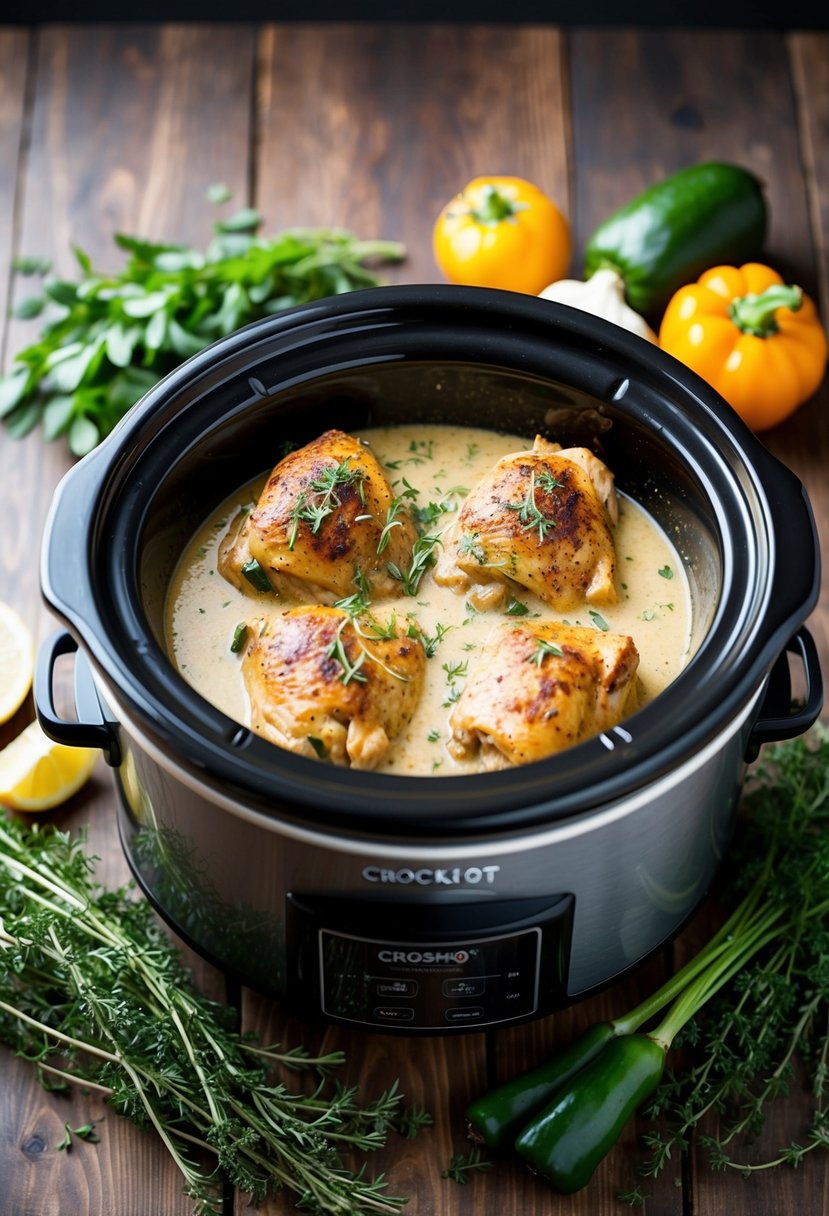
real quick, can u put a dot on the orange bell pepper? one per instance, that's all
(758, 342)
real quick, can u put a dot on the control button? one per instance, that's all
(396, 988)
(465, 1013)
(393, 1013)
(463, 987)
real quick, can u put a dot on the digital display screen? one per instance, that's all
(429, 985)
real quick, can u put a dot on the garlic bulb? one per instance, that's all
(603, 294)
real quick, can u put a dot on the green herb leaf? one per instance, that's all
(256, 576)
(462, 1164)
(218, 192)
(544, 648)
(32, 306)
(240, 636)
(516, 608)
(96, 993)
(113, 336)
(665, 572)
(598, 620)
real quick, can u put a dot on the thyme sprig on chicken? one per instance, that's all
(321, 499)
(530, 515)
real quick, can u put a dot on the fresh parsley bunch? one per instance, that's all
(111, 337)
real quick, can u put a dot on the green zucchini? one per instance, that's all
(706, 215)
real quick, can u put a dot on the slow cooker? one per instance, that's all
(418, 904)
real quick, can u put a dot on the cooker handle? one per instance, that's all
(95, 731)
(778, 720)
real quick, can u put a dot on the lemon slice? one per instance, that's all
(37, 773)
(17, 660)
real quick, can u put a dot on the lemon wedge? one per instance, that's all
(17, 661)
(37, 774)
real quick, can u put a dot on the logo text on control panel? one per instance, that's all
(449, 876)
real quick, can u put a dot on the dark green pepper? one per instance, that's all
(703, 216)
(497, 1117)
(568, 1139)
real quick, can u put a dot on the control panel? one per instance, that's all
(439, 968)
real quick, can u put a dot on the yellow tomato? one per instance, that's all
(502, 232)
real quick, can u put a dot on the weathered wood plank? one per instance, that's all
(434, 1074)
(128, 127)
(804, 444)
(398, 119)
(14, 55)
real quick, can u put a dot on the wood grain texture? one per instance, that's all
(680, 113)
(374, 128)
(435, 1074)
(128, 127)
(804, 443)
(14, 56)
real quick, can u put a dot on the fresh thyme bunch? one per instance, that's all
(741, 1050)
(94, 992)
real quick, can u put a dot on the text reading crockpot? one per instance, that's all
(449, 877)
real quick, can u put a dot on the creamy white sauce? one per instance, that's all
(654, 608)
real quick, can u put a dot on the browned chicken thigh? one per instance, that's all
(326, 516)
(324, 683)
(541, 519)
(540, 687)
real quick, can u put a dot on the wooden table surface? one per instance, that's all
(372, 128)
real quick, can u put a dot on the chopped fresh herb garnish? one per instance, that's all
(423, 557)
(516, 608)
(361, 582)
(337, 651)
(321, 499)
(353, 604)
(366, 626)
(428, 514)
(472, 450)
(318, 746)
(647, 615)
(433, 736)
(529, 514)
(240, 636)
(408, 490)
(423, 450)
(665, 572)
(543, 648)
(470, 545)
(436, 764)
(454, 671)
(598, 620)
(395, 507)
(453, 696)
(470, 646)
(429, 644)
(256, 576)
